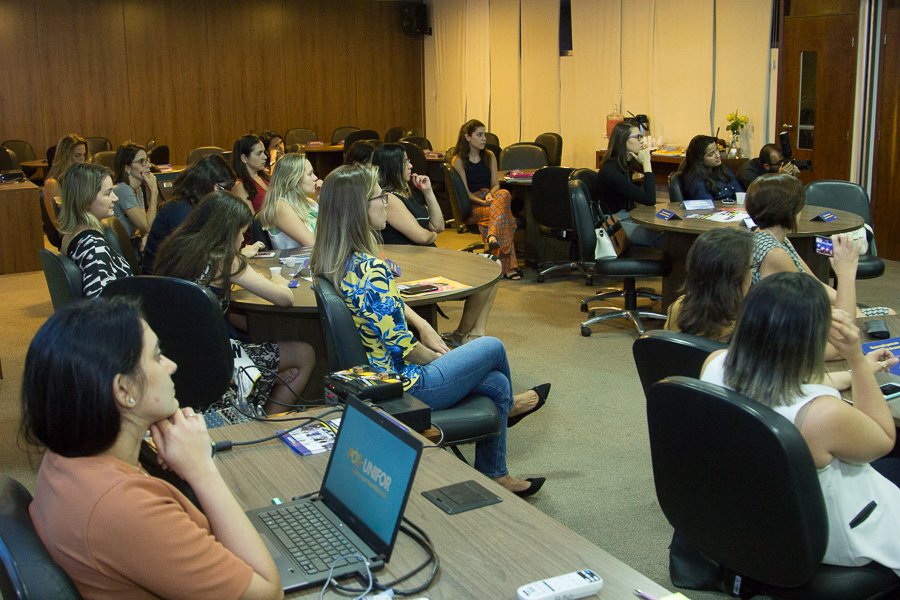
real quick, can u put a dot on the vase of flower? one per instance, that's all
(736, 122)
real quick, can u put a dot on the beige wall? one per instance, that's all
(203, 72)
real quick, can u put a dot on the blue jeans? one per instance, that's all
(478, 367)
(639, 235)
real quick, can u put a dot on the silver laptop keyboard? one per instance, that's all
(312, 539)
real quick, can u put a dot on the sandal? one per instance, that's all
(493, 244)
(514, 274)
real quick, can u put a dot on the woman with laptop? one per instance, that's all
(290, 209)
(775, 357)
(95, 382)
(352, 208)
(415, 218)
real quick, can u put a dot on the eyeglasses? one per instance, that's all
(143, 162)
(383, 197)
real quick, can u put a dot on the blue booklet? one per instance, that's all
(892, 344)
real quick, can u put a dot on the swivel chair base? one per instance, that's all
(552, 267)
(630, 294)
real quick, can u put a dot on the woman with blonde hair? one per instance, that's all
(352, 209)
(290, 210)
(88, 197)
(70, 149)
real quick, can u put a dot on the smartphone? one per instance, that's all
(824, 246)
(265, 255)
(890, 390)
(422, 288)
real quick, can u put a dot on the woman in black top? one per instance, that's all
(414, 217)
(614, 189)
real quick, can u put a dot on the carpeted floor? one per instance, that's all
(589, 441)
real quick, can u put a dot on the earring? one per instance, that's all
(130, 401)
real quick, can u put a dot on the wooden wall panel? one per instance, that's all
(167, 74)
(83, 70)
(204, 72)
(20, 115)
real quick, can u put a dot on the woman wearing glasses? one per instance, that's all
(290, 210)
(352, 209)
(703, 175)
(136, 190)
(415, 218)
(614, 189)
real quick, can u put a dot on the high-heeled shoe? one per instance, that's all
(536, 484)
(542, 392)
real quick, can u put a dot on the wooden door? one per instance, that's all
(816, 89)
(886, 159)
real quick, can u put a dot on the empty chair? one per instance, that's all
(633, 263)
(8, 160)
(340, 134)
(359, 134)
(460, 205)
(51, 154)
(64, 278)
(675, 193)
(299, 135)
(491, 138)
(24, 152)
(106, 158)
(737, 480)
(202, 152)
(552, 213)
(552, 144)
(97, 144)
(28, 570)
(159, 155)
(474, 418)
(194, 336)
(522, 155)
(419, 141)
(394, 134)
(844, 195)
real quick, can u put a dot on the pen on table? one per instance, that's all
(644, 595)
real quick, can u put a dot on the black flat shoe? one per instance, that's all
(536, 484)
(542, 391)
(494, 245)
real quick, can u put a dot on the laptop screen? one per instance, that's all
(370, 473)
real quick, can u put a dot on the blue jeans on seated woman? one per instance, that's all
(639, 235)
(478, 367)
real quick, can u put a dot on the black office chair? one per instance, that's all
(340, 134)
(419, 141)
(460, 205)
(522, 155)
(844, 195)
(473, 419)
(50, 220)
(416, 157)
(188, 320)
(394, 134)
(106, 158)
(24, 152)
(736, 479)
(495, 150)
(258, 234)
(300, 136)
(165, 182)
(660, 354)
(51, 154)
(552, 144)
(202, 152)
(675, 193)
(119, 240)
(553, 215)
(360, 134)
(492, 139)
(159, 155)
(29, 571)
(65, 281)
(97, 144)
(9, 161)
(635, 262)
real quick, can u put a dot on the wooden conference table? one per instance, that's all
(681, 234)
(301, 320)
(485, 553)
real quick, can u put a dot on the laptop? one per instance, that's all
(360, 503)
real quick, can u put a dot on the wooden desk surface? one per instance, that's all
(323, 148)
(416, 262)
(39, 163)
(485, 553)
(21, 232)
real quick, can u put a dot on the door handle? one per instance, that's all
(786, 126)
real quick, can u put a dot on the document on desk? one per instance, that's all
(726, 216)
(314, 438)
(441, 283)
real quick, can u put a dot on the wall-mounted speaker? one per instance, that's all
(414, 18)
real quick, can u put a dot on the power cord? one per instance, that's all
(226, 445)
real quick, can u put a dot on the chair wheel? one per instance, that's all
(584, 307)
(585, 331)
(540, 279)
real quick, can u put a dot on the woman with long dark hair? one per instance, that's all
(95, 382)
(351, 210)
(136, 190)
(614, 189)
(249, 161)
(703, 175)
(490, 205)
(206, 249)
(776, 357)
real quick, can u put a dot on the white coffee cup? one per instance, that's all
(275, 271)
(740, 197)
